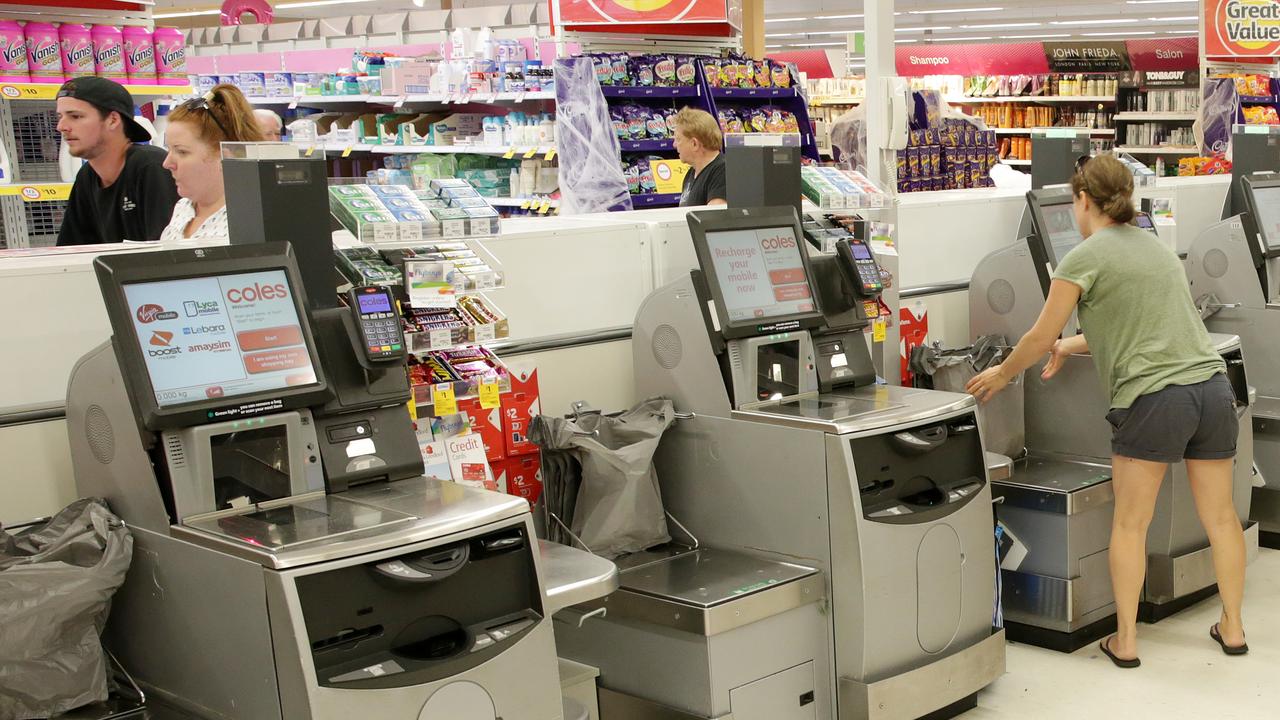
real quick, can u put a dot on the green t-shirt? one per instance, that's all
(1137, 313)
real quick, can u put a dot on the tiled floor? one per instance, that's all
(1183, 675)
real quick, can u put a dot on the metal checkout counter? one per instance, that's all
(1058, 502)
(845, 526)
(290, 561)
(1234, 269)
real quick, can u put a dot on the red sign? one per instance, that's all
(1167, 54)
(670, 17)
(1241, 28)
(813, 63)
(1011, 59)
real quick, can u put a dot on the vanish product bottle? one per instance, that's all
(13, 52)
(76, 50)
(108, 52)
(44, 59)
(139, 56)
(171, 56)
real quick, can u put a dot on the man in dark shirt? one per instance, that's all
(122, 192)
(698, 140)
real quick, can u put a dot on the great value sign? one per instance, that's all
(649, 12)
(1242, 28)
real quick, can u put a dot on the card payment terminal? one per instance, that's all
(866, 271)
(380, 331)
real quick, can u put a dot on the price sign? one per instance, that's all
(490, 397)
(441, 338)
(485, 333)
(442, 400)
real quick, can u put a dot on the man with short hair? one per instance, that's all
(698, 141)
(269, 123)
(122, 192)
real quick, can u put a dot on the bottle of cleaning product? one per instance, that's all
(44, 58)
(509, 129)
(108, 52)
(75, 43)
(171, 56)
(13, 53)
(139, 55)
(514, 189)
(546, 130)
(493, 131)
(161, 123)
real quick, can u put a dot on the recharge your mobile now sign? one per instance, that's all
(1242, 28)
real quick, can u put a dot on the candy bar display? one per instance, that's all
(953, 156)
(1190, 166)
(834, 188)
(463, 368)
(737, 71)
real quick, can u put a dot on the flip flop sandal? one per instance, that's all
(1127, 664)
(1228, 649)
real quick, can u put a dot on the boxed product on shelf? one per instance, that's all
(471, 271)
(383, 216)
(364, 266)
(831, 187)
(475, 320)
(464, 369)
(956, 155)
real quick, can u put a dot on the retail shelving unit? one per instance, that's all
(34, 202)
(790, 99)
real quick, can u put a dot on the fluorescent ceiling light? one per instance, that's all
(186, 14)
(831, 32)
(905, 40)
(922, 29)
(1180, 18)
(1162, 2)
(770, 47)
(1117, 21)
(318, 3)
(954, 10)
(773, 35)
(825, 44)
(1030, 37)
(1117, 34)
(1001, 25)
(955, 39)
(785, 19)
(836, 17)
(851, 66)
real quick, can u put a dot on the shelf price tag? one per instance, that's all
(310, 150)
(551, 155)
(400, 102)
(346, 151)
(544, 207)
(530, 153)
(441, 338)
(524, 204)
(878, 330)
(413, 408)
(490, 397)
(442, 400)
(519, 97)
(485, 333)
(510, 153)
(293, 104)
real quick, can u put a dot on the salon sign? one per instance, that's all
(1242, 28)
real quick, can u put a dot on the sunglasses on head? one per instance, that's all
(1082, 161)
(202, 103)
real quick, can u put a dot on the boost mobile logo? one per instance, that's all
(162, 340)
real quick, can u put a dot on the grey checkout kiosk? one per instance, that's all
(795, 454)
(1058, 501)
(1234, 269)
(287, 566)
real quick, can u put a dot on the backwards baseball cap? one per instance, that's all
(107, 96)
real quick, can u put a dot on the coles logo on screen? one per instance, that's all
(151, 312)
(256, 292)
(778, 243)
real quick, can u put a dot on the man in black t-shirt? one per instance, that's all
(698, 140)
(122, 192)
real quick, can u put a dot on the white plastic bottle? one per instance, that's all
(546, 130)
(161, 124)
(515, 183)
(6, 169)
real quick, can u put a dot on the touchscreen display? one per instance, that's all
(761, 273)
(374, 303)
(1063, 233)
(860, 251)
(221, 336)
(1267, 201)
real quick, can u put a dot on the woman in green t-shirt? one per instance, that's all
(1170, 398)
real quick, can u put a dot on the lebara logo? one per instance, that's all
(256, 292)
(203, 329)
(151, 312)
(161, 338)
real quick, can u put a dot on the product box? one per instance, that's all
(518, 410)
(205, 83)
(488, 423)
(447, 130)
(467, 461)
(279, 84)
(453, 222)
(407, 78)
(252, 84)
(520, 476)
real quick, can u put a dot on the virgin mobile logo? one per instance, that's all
(151, 312)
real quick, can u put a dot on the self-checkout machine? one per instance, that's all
(1234, 271)
(871, 497)
(1059, 501)
(290, 561)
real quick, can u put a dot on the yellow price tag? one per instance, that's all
(528, 154)
(490, 397)
(442, 400)
(511, 152)
(311, 150)
(878, 330)
(525, 205)
(413, 409)
(551, 155)
(346, 151)
(544, 207)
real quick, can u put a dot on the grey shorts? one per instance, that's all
(1193, 422)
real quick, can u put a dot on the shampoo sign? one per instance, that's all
(1242, 28)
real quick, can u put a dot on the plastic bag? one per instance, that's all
(56, 583)
(615, 506)
(1218, 111)
(591, 179)
(1001, 420)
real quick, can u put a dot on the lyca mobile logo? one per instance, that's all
(196, 308)
(151, 312)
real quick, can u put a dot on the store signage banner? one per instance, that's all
(1241, 28)
(647, 12)
(1169, 79)
(1010, 59)
(1166, 54)
(1102, 56)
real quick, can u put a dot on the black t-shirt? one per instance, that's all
(707, 186)
(137, 206)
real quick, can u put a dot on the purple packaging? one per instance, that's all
(904, 185)
(975, 174)
(685, 71)
(914, 186)
(935, 160)
(656, 126)
(664, 71)
(913, 162)
(902, 165)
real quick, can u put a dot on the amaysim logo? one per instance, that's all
(151, 312)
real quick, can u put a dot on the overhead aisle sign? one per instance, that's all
(1242, 28)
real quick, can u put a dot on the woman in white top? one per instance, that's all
(195, 131)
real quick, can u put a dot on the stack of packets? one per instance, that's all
(1216, 165)
(466, 271)
(953, 156)
(365, 266)
(463, 369)
(831, 187)
(474, 320)
(394, 213)
(451, 451)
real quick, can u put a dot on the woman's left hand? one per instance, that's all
(986, 384)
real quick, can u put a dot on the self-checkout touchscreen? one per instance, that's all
(761, 273)
(219, 336)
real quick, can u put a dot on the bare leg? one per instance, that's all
(1211, 487)
(1137, 485)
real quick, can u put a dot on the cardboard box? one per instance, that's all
(518, 408)
(520, 476)
(488, 424)
(407, 78)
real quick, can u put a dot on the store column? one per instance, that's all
(881, 77)
(753, 28)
